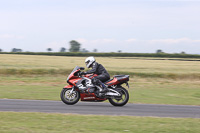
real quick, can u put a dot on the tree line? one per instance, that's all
(81, 54)
(76, 47)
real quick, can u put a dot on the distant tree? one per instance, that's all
(19, 50)
(62, 49)
(183, 52)
(95, 50)
(84, 50)
(1, 50)
(119, 51)
(159, 51)
(74, 46)
(16, 50)
(13, 50)
(49, 49)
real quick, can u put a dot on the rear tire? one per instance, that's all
(69, 99)
(122, 100)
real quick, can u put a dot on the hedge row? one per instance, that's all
(163, 55)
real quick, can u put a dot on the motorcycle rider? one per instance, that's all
(99, 70)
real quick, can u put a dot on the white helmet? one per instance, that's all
(89, 61)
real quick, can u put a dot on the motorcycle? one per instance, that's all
(81, 87)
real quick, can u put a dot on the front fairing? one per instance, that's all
(74, 72)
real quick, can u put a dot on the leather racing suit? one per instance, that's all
(103, 75)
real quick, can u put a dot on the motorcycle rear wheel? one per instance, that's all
(122, 100)
(68, 98)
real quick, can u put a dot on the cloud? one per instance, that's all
(131, 40)
(11, 36)
(81, 40)
(174, 41)
(96, 41)
(103, 41)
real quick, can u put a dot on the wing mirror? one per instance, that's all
(82, 68)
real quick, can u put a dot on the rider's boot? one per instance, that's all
(98, 82)
(104, 88)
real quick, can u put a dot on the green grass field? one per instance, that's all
(58, 123)
(24, 85)
(153, 80)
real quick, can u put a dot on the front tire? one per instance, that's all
(120, 100)
(68, 98)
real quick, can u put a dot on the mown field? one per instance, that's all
(148, 90)
(140, 66)
(58, 123)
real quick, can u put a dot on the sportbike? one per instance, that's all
(81, 87)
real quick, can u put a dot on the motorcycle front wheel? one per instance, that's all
(120, 100)
(68, 98)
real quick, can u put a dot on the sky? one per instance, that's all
(134, 26)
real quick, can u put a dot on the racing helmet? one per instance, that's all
(89, 61)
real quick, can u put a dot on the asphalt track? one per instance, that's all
(100, 108)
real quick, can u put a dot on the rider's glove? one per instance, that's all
(82, 73)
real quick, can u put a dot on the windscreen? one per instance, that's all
(76, 68)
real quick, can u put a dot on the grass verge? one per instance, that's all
(14, 71)
(13, 122)
(142, 90)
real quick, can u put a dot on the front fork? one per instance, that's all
(71, 90)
